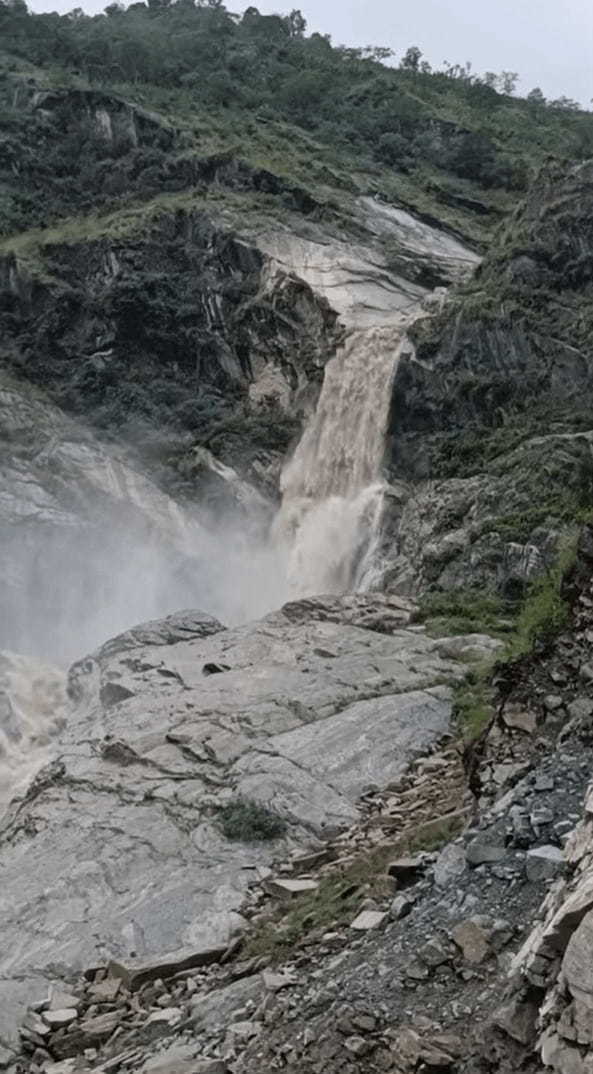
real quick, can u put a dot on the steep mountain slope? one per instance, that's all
(202, 318)
(494, 408)
(239, 266)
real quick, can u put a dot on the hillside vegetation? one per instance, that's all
(260, 89)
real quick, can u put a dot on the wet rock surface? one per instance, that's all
(115, 850)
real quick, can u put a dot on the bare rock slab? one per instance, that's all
(288, 889)
(299, 732)
(368, 919)
(544, 863)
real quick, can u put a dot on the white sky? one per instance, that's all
(549, 42)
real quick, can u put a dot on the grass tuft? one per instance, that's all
(243, 820)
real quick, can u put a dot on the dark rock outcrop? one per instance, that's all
(491, 416)
(158, 337)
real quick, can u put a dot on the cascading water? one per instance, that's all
(332, 490)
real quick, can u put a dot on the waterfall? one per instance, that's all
(332, 489)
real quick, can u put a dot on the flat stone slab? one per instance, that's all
(290, 888)
(55, 1019)
(368, 919)
(134, 975)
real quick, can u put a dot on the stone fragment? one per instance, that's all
(405, 869)
(61, 1001)
(544, 863)
(544, 782)
(303, 863)
(400, 907)
(368, 919)
(518, 718)
(500, 934)
(289, 888)
(450, 864)
(179, 1059)
(523, 834)
(560, 1056)
(586, 673)
(433, 954)
(577, 964)
(472, 941)
(367, 1023)
(167, 1014)
(222, 1004)
(106, 991)
(242, 1032)
(161, 1023)
(580, 709)
(539, 817)
(507, 772)
(135, 974)
(275, 982)
(414, 1053)
(480, 851)
(55, 1019)
(416, 970)
(358, 1045)
(35, 1024)
(553, 702)
(100, 1026)
(518, 1019)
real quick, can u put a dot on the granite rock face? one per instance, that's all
(115, 850)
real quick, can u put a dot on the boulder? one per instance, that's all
(368, 919)
(481, 851)
(450, 864)
(472, 941)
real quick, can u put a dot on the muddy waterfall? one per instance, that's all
(332, 487)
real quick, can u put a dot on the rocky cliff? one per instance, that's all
(491, 414)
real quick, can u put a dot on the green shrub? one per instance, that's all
(247, 821)
(466, 611)
(473, 704)
(544, 612)
(542, 615)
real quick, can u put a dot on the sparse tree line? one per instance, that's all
(270, 66)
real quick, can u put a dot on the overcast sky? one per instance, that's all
(549, 42)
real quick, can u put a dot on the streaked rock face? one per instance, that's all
(114, 848)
